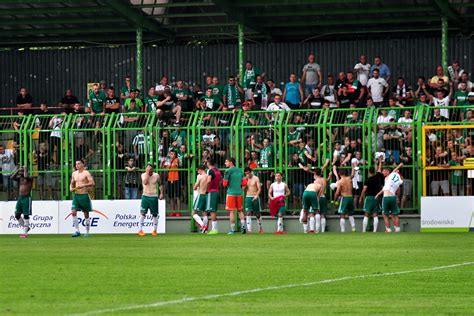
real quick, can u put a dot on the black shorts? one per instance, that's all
(174, 189)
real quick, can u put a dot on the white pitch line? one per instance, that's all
(270, 288)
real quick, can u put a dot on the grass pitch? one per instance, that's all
(64, 275)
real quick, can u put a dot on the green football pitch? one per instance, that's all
(242, 274)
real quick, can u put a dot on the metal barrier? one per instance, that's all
(266, 141)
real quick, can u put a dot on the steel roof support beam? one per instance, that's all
(48, 21)
(55, 10)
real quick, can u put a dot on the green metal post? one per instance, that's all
(419, 161)
(241, 52)
(444, 43)
(139, 61)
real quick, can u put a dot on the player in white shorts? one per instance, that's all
(393, 180)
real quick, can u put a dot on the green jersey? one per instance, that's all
(302, 155)
(456, 175)
(179, 93)
(245, 118)
(126, 91)
(179, 137)
(266, 157)
(461, 98)
(217, 92)
(151, 102)
(138, 102)
(234, 177)
(210, 103)
(97, 101)
(293, 148)
(233, 96)
(129, 113)
(250, 77)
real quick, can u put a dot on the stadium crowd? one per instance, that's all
(364, 86)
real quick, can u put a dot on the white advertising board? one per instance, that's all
(448, 214)
(107, 217)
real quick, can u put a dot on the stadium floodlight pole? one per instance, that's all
(139, 60)
(444, 43)
(240, 27)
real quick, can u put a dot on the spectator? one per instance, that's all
(141, 148)
(260, 94)
(402, 93)
(439, 75)
(437, 117)
(168, 109)
(297, 178)
(357, 180)
(68, 102)
(362, 69)
(293, 93)
(392, 143)
(103, 86)
(232, 94)
(273, 90)
(127, 88)
(182, 96)
(24, 101)
(455, 72)
(209, 81)
(440, 178)
(384, 71)
(173, 188)
(341, 81)
(134, 95)
(164, 85)
(407, 173)
(314, 100)
(44, 180)
(312, 75)
(461, 96)
(250, 79)
(151, 100)
(131, 180)
(353, 129)
(378, 88)
(96, 101)
(354, 89)
(44, 109)
(217, 90)
(7, 166)
(112, 103)
(55, 143)
(465, 78)
(344, 99)
(457, 177)
(329, 92)
(394, 108)
(277, 105)
(406, 121)
(441, 100)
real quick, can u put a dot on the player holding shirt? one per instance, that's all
(372, 186)
(23, 204)
(199, 204)
(252, 200)
(393, 180)
(233, 181)
(81, 181)
(278, 189)
(346, 205)
(150, 198)
(214, 178)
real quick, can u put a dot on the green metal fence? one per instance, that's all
(266, 141)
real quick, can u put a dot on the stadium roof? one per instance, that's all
(69, 22)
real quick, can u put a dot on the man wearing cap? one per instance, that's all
(150, 198)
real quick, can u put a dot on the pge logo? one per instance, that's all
(94, 220)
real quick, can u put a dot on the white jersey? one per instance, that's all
(442, 102)
(278, 189)
(392, 182)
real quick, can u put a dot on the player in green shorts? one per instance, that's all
(372, 186)
(311, 205)
(81, 182)
(23, 204)
(214, 178)
(346, 206)
(199, 203)
(150, 180)
(252, 200)
(393, 180)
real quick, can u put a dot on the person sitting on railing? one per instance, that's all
(68, 101)
(182, 95)
(24, 101)
(169, 108)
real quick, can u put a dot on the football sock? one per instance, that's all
(397, 229)
(364, 224)
(27, 225)
(342, 223)
(232, 227)
(198, 220)
(280, 224)
(88, 224)
(214, 225)
(318, 222)
(205, 220)
(301, 215)
(323, 224)
(352, 221)
(75, 222)
(311, 223)
(155, 223)
(305, 227)
(376, 223)
(249, 223)
(21, 222)
(243, 224)
(259, 222)
(142, 221)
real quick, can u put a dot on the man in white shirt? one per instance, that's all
(362, 69)
(160, 88)
(406, 120)
(7, 165)
(277, 105)
(378, 88)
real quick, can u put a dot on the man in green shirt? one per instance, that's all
(250, 79)
(232, 94)
(457, 181)
(127, 88)
(217, 89)
(134, 95)
(151, 100)
(266, 154)
(96, 101)
(234, 181)
(209, 103)
(182, 95)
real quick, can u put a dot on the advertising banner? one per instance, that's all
(447, 214)
(107, 217)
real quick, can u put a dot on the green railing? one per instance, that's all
(266, 141)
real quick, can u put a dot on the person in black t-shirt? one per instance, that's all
(112, 103)
(315, 100)
(68, 101)
(372, 186)
(24, 101)
(406, 172)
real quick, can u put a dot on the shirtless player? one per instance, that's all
(23, 204)
(346, 205)
(252, 200)
(150, 198)
(199, 203)
(311, 204)
(81, 181)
